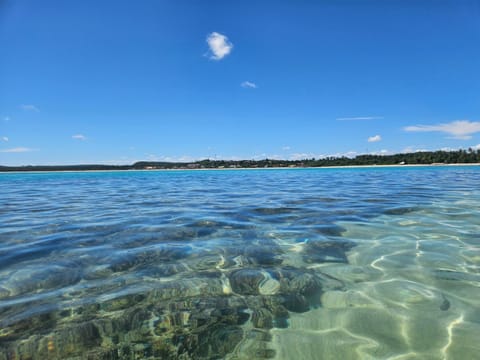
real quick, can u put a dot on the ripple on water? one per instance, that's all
(348, 263)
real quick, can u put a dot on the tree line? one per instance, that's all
(469, 156)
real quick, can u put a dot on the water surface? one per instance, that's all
(370, 263)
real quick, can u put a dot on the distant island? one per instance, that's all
(469, 156)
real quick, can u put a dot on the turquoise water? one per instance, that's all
(371, 263)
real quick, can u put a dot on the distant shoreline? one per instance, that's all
(244, 168)
(468, 157)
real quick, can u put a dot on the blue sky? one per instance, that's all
(121, 81)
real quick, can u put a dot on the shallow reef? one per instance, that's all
(196, 304)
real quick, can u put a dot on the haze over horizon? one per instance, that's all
(115, 82)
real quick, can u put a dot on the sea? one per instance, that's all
(326, 263)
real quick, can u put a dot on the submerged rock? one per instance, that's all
(327, 250)
(264, 254)
(445, 305)
(329, 230)
(262, 318)
(246, 281)
(36, 278)
(274, 211)
(164, 253)
(402, 210)
(195, 303)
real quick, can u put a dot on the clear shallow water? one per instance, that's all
(379, 263)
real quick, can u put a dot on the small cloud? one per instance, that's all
(286, 148)
(4, 138)
(17, 150)
(360, 118)
(460, 129)
(248, 85)
(6, 119)
(408, 149)
(79, 137)
(219, 45)
(30, 108)
(375, 138)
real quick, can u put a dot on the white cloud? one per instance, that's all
(266, 156)
(375, 138)
(6, 119)
(349, 154)
(459, 129)
(30, 108)
(219, 45)
(248, 85)
(285, 148)
(303, 156)
(476, 147)
(17, 150)
(79, 137)
(182, 158)
(357, 118)
(412, 149)
(4, 138)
